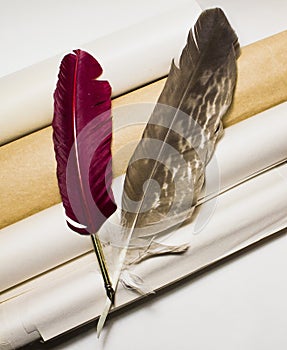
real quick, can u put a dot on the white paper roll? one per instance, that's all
(130, 58)
(243, 215)
(42, 241)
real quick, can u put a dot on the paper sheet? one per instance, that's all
(38, 244)
(243, 215)
(130, 57)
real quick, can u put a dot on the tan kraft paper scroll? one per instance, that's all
(28, 181)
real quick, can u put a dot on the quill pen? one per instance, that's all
(82, 133)
(166, 172)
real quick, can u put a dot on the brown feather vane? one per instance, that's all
(166, 172)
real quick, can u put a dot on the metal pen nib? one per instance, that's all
(103, 267)
(110, 293)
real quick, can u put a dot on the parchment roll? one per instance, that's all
(130, 57)
(28, 182)
(262, 78)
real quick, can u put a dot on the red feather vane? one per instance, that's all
(82, 135)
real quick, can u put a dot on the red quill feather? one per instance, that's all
(82, 134)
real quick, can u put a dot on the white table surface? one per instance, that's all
(239, 305)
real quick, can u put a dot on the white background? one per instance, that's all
(239, 305)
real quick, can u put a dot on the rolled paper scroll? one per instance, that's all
(130, 57)
(262, 81)
(44, 244)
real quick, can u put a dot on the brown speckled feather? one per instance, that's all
(166, 172)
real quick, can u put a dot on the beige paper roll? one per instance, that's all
(130, 57)
(262, 78)
(28, 182)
